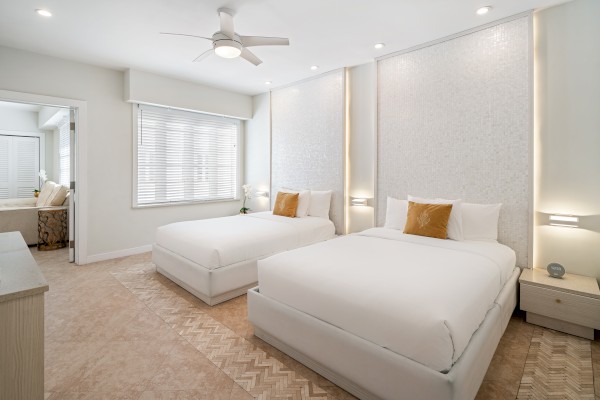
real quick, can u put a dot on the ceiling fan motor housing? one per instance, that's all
(225, 46)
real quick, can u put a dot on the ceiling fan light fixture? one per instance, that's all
(227, 48)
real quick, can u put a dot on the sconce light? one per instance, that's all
(569, 221)
(361, 202)
(261, 194)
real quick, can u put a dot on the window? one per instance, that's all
(64, 154)
(184, 157)
(19, 166)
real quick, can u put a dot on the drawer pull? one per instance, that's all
(557, 301)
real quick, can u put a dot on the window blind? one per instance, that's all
(19, 166)
(5, 167)
(185, 157)
(27, 166)
(64, 154)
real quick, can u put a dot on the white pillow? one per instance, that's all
(303, 201)
(395, 214)
(480, 221)
(58, 196)
(47, 191)
(455, 231)
(320, 202)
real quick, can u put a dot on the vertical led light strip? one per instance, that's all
(536, 139)
(346, 149)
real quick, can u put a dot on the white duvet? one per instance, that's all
(218, 242)
(419, 297)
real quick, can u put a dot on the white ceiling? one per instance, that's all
(124, 34)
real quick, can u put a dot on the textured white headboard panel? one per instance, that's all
(455, 121)
(307, 139)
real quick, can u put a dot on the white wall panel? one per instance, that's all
(307, 139)
(257, 151)
(454, 121)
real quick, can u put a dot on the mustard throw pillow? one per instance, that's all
(428, 219)
(286, 204)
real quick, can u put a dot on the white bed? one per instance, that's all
(388, 315)
(215, 259)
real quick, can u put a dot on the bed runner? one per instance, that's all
(261, 375)
(558, 366)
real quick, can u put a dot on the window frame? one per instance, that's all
(239, 160)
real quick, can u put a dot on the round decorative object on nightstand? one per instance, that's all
(556, 270)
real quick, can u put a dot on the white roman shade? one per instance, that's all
(184, 157)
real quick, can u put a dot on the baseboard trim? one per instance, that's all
(119, 253)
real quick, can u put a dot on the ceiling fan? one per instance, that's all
(228, 44)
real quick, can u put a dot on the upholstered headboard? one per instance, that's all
(307, 139)
(455, 121)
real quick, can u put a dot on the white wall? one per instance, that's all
(257, 168)
(18, 120)
(568, 135)
(362, 145)
(112, 223)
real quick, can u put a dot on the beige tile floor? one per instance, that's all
(102, 342)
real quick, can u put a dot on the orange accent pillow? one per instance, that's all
(286, 204)
(428, 219)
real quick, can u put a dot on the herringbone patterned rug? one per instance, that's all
(262, 376)
(558, 366)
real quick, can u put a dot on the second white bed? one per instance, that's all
(215, 259)
(419, 297)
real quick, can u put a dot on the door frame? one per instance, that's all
(81, 194)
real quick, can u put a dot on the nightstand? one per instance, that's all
(570, 304)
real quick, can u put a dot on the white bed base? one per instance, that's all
(212, 286)
(369, 371)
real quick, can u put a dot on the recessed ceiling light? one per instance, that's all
(43, 13)
(484, 10)
(314, 67)
(268, 82)
(379, 45)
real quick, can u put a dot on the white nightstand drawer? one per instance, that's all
(568, 307)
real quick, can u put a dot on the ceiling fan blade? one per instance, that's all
(248, 55)
(226, 17)
(203, 55)
(248, 41)
(184, 34)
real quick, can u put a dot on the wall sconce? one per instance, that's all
(569, 221)
(360, 202)
(261, 194)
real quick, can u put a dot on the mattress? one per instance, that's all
(219, 242)
(419, 297)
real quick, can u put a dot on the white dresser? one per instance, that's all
(569, 304)
(22, 288)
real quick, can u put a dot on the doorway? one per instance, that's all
(43, 144)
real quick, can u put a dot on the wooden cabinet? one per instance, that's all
(570, 304)
(22, 288)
